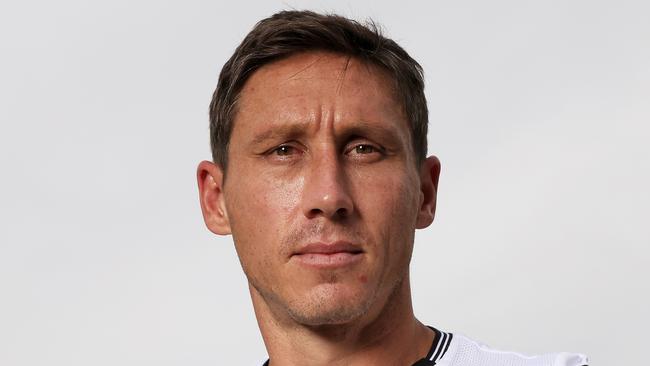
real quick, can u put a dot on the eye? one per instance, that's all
(365, 149)
(284, 153)
(284, 150)
(365, 152)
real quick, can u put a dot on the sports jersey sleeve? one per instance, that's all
(571, 359)
(464, 351)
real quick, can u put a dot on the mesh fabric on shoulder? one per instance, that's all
(467, 352)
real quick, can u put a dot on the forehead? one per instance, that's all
(345, 72)
(310, 82)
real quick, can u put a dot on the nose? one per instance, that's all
(326, 192)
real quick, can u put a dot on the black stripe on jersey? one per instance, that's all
(441, 347)
(451, 336)
(441, 344)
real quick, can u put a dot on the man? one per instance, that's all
(318, 130)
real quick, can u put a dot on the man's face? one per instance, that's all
(322, 194)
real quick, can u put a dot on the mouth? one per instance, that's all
(328, 255)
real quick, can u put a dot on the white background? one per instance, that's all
(539, 113)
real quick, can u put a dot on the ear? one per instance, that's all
(210, 179)
(429, 174)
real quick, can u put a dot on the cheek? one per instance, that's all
(392, 200)
(389, 210)
(259, 195)
(260, 210)
(403, 204)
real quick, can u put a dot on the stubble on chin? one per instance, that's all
(334, 298)
(325, 304)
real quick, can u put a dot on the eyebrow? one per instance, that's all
(359, 128)
(362, 128)
(291, 131)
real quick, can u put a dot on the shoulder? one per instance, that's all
(468, 352)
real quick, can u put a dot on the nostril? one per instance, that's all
(342, 212)
(315, 212)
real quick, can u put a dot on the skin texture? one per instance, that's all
(321, 154)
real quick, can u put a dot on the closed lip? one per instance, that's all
(329, 248)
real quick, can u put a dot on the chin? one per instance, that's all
(329, 304)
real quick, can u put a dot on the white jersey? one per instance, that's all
(449, 349)
(462, 351)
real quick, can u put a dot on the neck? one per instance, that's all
(389, 334)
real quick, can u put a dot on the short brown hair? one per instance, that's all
(290, 32)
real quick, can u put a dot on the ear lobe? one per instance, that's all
(210, 179)
(429, 175)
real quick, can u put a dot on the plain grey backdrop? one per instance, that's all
(539, 112)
